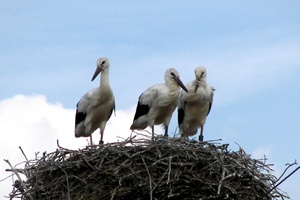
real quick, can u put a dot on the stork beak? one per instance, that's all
(196, 87)
(179, 82)
(197, 83)
(97, 71)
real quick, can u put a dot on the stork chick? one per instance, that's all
(157, 104)
(195, 105)
(96, 106)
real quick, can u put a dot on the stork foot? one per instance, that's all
(166, 135)
(201, 138)
(101, 142)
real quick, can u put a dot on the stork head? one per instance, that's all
(102, 64)
(173, 76)
(200, 73)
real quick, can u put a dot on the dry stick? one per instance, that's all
(241, 150)
(18, 176)
(281, 181)
(27, 161)
(67, 179)
(5, 178)
(223, 175)
(113, 194)
(23, 154)
(289, 165)
(87, 162)
(58, 145)
(150, 180)
(168, 169)
(170, 160)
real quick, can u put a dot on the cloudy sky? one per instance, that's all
(251, 50)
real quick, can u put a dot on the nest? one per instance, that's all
(166, 168)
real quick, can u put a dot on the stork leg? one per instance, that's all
(101, 137)
(166, 131)
(201, 134)
(186, 134)
(91, 140)
(152, 127)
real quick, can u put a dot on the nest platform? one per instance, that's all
(165, 168)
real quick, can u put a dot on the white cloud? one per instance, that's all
(35, 124)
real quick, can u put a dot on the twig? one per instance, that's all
(150, 180)
(281, 181)
(6, 178)
(22, 185)
(67, 179)
(289, 165)
(241, 150)
(89, 164)
(23, 153)
(57, 143)
(113, 194)
(223, 174)
(162, 177)
(169, 174)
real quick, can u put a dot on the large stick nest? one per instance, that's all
(166, 168)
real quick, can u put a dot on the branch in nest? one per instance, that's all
(169, 167)
(19, 184)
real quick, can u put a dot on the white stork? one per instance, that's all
(157, 104)
(96, 106)
(195, 105)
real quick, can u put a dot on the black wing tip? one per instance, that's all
(79, 117)
(180, 116)
(210, 104)
(141, 110)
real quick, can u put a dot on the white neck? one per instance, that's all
(172, 86)
(104, 79)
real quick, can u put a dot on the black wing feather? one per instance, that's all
(112, 109)
(141, 110)
(210, 104)
(181, 115)
(79, 117)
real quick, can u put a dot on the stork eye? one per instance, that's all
(103, 62)
(173, 75)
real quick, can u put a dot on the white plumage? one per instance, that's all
(195, 105)
(157, 104)
(96, 106)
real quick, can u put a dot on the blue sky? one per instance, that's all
(251, 50)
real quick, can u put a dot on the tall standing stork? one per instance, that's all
(157, 104)
(96, 106)
(195, 105)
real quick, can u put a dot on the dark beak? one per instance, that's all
(179, 82)
(197, 82)
(196, 87)
(97, 71)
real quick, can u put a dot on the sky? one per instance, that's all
(251, 51)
